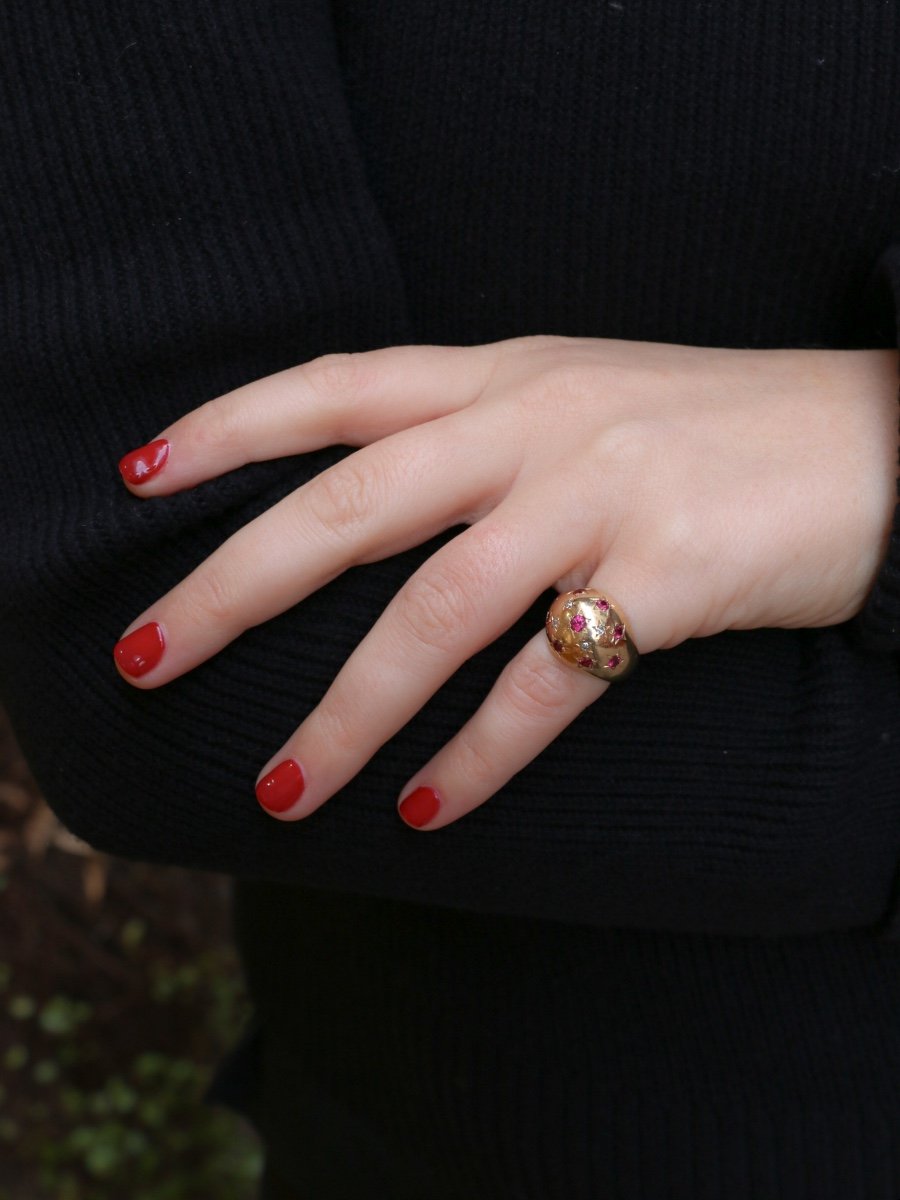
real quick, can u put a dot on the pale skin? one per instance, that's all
(703, 489)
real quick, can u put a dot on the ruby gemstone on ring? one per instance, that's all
(588, 633)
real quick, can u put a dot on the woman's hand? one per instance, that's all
(704, 489)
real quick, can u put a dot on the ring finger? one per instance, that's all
(535, 698)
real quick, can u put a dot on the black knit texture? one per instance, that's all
(197, 195)
(425, 1054)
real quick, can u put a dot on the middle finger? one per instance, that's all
(465, 595)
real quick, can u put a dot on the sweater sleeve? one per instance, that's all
(875, 630)
(184, 209)
(876, 627)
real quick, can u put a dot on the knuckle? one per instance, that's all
(539, 348)
(221, 426)
(569, 379)
(339, 726)
(343, 498)
(677, 540)
(559, 390)
(346, 373)
(211, 599)
(434, 606)
(475, 764)
(631, 449)
(534, 689)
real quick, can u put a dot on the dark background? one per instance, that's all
(119, 990)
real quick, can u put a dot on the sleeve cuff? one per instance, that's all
(876, 627)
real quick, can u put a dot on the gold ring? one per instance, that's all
(587, 630)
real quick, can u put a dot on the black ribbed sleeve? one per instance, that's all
(877, 625)
(194, 196)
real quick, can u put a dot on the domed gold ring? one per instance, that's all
(586, 629)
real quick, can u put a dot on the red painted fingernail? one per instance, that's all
(420, 806)
(139, 465)
(282, 787)
(139, 651)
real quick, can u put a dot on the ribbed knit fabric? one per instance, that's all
(417, 1053)
(877, 625)
(198, 195)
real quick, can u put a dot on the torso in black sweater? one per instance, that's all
(195, 196)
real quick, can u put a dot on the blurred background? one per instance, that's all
(119, 992)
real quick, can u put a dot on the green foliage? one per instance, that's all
(21, 1007)
(61, 1015)
(15, 1057)
(94, 1125)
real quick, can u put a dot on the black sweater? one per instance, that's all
(198, 195)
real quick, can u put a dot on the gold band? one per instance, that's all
(588, 632)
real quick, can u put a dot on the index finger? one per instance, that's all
(377, 501)
(347, 398)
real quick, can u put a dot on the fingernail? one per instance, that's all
(420, 806)
(282, 787)
(139, 465)
(139, 651)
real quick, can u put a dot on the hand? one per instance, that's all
(705, 489)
